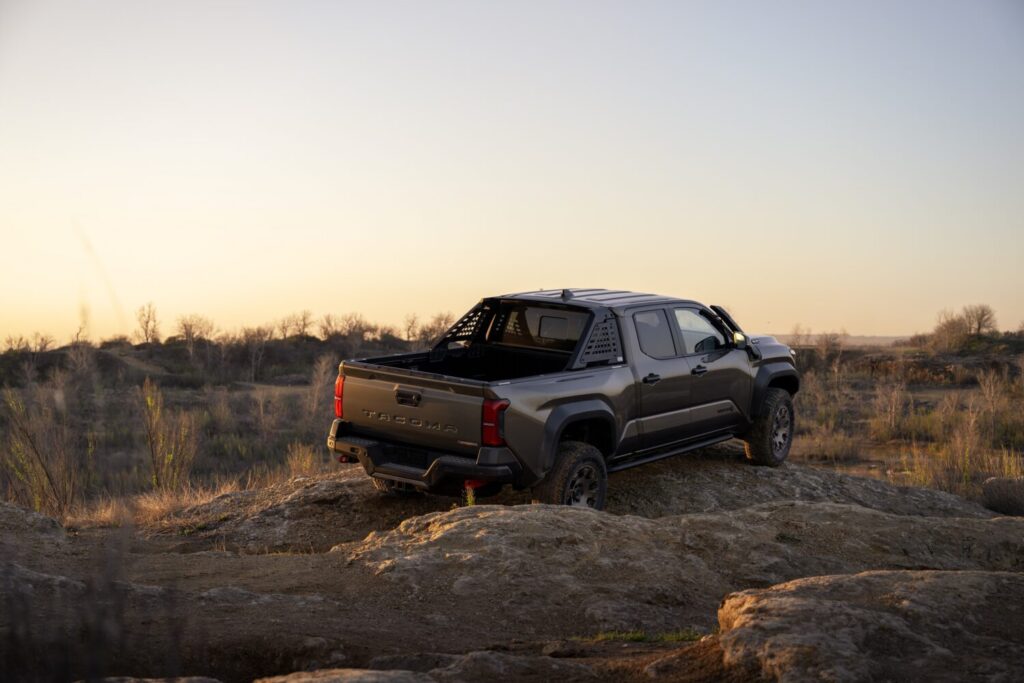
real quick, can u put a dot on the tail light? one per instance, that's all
(339, 393)
(493, 423)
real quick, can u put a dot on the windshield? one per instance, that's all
(537, 326)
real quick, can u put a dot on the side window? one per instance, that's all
(654, 334)
(699, 335)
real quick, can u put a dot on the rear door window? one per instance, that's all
(654, 334)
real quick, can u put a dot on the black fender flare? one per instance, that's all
(768, 373)
(566, 414)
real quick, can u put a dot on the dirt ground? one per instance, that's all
(321, 572)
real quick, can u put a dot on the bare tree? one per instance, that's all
(830, 345)
(980, 319)
(193, 328)
(355, 327)
(950, 333)
(255, 340)
(412, 323)
(20, 344)
(800, 337)
(330, 327)
(430, 332)
(41, 343)
(303, 322)
(149, 326)
(323, 370)
(285, 326)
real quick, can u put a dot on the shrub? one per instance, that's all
(43, 461)
(303, 460)
(889, 411)
(171, 440)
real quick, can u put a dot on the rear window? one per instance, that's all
(539, 327)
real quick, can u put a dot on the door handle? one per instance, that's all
(651, 379)
(405, 397)
(699, 370)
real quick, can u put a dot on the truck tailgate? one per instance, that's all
(420, 409)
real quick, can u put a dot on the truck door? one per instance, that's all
(663, 379)
(720, 371)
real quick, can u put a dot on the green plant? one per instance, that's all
(45, 465)
(171, 440)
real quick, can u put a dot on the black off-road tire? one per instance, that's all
(770, 437)
(395, 489)
(579, 477)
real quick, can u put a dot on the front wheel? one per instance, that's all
(770, 437)
(579, 477)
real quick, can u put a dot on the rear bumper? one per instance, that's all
(422, 468)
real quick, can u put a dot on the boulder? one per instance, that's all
(882, 625)
(1004, 495)
(579, 571)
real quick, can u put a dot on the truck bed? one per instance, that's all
(490, 363)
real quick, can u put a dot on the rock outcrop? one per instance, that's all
(310, 514)
(1004, 495)
(898, 626)
(550, 565)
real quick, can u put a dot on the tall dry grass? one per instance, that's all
(145, 509)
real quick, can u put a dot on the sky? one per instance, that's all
(839, 165)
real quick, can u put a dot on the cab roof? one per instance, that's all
(613, 299)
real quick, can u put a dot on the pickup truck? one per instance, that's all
(552, 390)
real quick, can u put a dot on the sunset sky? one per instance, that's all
(854, 165)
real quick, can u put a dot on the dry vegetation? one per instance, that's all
(942, 410)
(120, 431)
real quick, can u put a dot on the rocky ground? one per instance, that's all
(703, 568)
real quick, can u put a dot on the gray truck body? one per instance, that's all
(628, 386)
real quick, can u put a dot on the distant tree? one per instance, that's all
(980, 319)
(355, 327)
(800, 336)
(149, 326)
(255, 340)
(303, 323)
(830, 345)
(41, 343)
(192, 328)
(430, 332)
(951, 332)
(285, 326)
(329, 327)
(412, 322)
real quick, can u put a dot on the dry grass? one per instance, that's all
(958, 467)
(145, 509)
(303, 460)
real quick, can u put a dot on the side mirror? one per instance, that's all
(739, 340)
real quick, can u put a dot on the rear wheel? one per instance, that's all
(771, 436)
(579, 477)
(393, 488)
